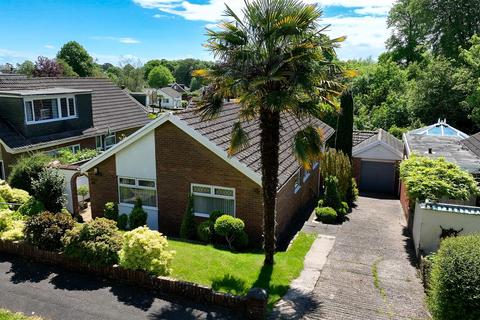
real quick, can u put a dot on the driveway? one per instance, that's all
(54, 293)
(369, 274)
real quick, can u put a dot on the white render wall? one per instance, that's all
(138, 161)
(426, 226)
(81, 181)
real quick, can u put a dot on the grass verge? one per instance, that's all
(236, 273)
(7, 315)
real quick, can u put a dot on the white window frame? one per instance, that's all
(315, 165)
(298, 181)
(59, 108)
(213, 195)
(102, 140)
(111, 135)
(306, 175)
(137, 186)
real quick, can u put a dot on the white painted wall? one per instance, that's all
(426, 226)
(378, 152)
(138, 161)
(82, 180)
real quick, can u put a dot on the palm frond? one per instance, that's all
(239, 139)
(307, 145)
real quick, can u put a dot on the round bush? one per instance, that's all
(96, 242)
(229, 227)
(145, 249)
(122, 221)
(326, 214)
(138, 216)
(241, 241)
(27, 169)
(46, 229)
(31, 207)
(110, 211)
(49, 189)
(205, 231)
(454, 288)
(13, 195)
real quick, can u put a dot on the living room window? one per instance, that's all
(129, 189)
(50, 109)
(207, 199)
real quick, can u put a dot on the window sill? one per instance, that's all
(50, 120)
(201, 215)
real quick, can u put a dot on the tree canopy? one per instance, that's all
(160, 77)
(78, 58)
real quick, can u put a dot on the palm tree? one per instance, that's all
(276, 60)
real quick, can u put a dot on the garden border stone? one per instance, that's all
(253, 305)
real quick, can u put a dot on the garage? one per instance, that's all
(376, 156)
(378, 177)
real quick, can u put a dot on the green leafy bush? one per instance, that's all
(111, 211)
(332, 198)
(13, 195)
(27, 169)
(49, 190)
(66, 156)
(138, 216)
(454, 288)
(352, 193)
(122, 221)
(46, 229)
(241, 241)
(145, 249)
(188, 228)
(205, 231)
(433, 179)
(229, 227)
(326, 214)
(215, 215)
(337, 164)
(11, 225)
(31, 207)
(96, 242)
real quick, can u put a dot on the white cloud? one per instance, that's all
(366, 30)
(49, 46)
(125, 40)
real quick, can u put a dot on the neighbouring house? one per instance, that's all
(180, 87)
(376, 156)
(166, 97)
(46, 114)
(180, 154)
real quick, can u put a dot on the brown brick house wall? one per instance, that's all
(103, 186)
(289, 203)
(181, 160)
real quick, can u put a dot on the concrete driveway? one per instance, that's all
(53, 293)
(369, 273)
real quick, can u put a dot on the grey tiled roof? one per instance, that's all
(112, 108)
(383, 136)
(219, 131)
(171, 92)
(360, 136)
(472, 143)
(448, 147)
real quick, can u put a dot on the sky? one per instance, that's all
(116, 30)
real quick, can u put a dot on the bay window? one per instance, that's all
(131, 189)
(207, 199)
(49, 109)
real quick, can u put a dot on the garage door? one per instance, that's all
(377, 177)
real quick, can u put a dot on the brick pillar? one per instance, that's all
(256, 304)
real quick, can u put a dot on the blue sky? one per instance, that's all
(115, 30)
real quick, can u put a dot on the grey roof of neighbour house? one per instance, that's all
(112, 108)
(171, 92)
(383, 136)
(219, 131)
(361, 135)
(472, 143)
(448, 147)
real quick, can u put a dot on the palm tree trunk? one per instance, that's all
(269, 146)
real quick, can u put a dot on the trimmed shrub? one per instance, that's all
(229, 227)
(3, 204)
(145, 249)
(11, 225)
(96, 242)
(138, 216)
(27, 169)
(14, 195)
(352, 193)
(205, 231)
(46, 229)
(454, 288)
(111, 211)
(31, 207)
(326, 214)
(241, 241)
(332, 197)
(49, 190)
(122, 221)
(337, 164)
(188, 228)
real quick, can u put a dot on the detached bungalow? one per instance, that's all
(179, 154)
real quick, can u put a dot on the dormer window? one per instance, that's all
(50, 109)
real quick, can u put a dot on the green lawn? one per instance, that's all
(7, 315)
(236, 273)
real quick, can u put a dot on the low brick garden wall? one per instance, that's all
(253, 305)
